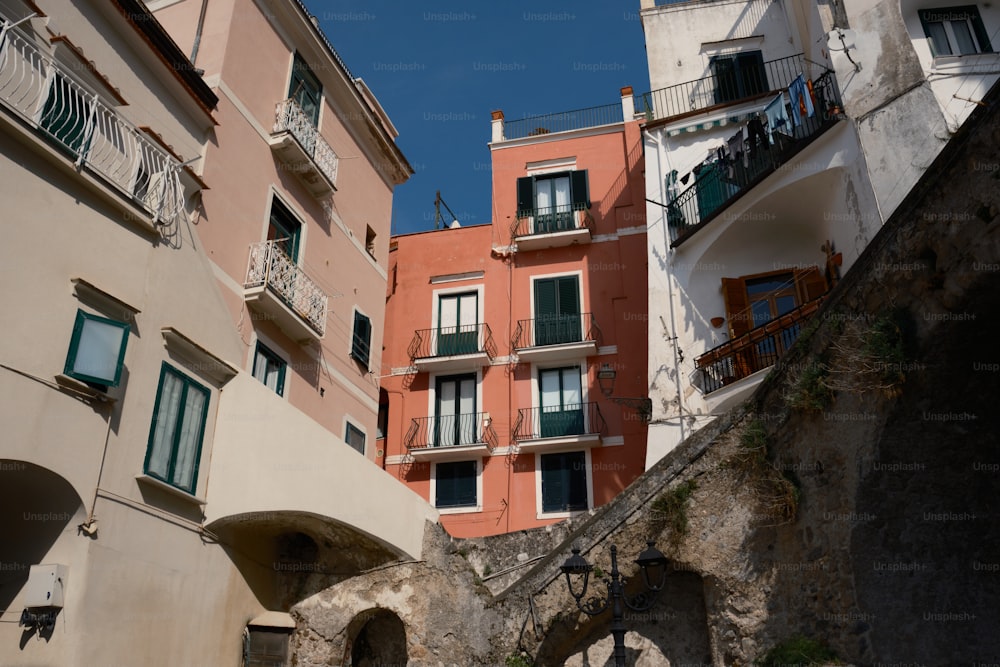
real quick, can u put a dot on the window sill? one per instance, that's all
(168, 488)
(84, 389)
(984, 63)
(562, 515)
(459, 510)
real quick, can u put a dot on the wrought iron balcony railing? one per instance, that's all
(719, 89)
(558, 422)
(719, 183)
(755, 350)
(563, 121)
(452, 341)
(289, 117)
(50, 99)
(474, 428)
(565, 218)
(555, 330)
(272, 268)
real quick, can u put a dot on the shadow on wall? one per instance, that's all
(674, 629)
(36, 506)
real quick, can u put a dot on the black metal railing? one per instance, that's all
(563, 121)
(720, 89)
(565, 218)
(755, 350)
(555, 330)
(558, 421)
(452, 341)
(748, 160)
(473, 428)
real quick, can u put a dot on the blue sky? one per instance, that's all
(440, 68)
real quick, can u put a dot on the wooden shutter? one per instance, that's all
(545, 298)
(525, 196)
(809, 284)
(568, 293)
(579, 190)
(734, 294)
(361, 345)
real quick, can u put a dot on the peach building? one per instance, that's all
(514, 372)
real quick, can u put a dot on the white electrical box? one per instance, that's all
(46, 586)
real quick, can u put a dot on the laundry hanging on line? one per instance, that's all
(802, 103)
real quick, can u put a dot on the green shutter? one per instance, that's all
(305, 89)
(977, 26)
(455, 484)
(65, 115)
(545, 298)
(361, 345)
(579, 190)
(564, 482)
(569, 295)
(525, 196)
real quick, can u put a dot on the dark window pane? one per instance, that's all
(456, 484)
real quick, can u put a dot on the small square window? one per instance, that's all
(97, 350)
(177, 431)
(355, 437)
(269, 368)
(564, 482)
(266, 647)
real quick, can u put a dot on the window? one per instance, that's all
(370, 241)
(955, 31)
(66, 113)
(455, 419)
(751, 301)
(306, 90)
(458, 318)
(362, 339)
(382, 423)
(551, 200)
(266, 647)
(355, 437)
(284, 229)
(564, 482)
(456, 484)
(175, 436)
(561, 401)
(557, 310)
(269, 368)
(97, 350)
(738, 75)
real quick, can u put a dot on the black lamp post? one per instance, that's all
(654, 575)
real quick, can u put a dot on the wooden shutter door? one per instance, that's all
(809, 284)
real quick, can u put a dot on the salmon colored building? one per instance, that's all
(514, 369)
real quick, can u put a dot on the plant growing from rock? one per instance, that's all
(870, 356)
(517, 660)
(809, 390)
(670, 511)
(798, 651)
(774, 490)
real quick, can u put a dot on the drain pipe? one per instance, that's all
(670, 290)
(198, 31)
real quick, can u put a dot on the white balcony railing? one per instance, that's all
(49, 98)
(289, 117)
(270, 267)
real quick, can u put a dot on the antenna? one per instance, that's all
(438, 202)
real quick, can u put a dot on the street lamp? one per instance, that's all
(654, 574)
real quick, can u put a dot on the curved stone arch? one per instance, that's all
(375, 636)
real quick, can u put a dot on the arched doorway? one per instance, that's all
(378, 637)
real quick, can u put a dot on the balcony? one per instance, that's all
(554, 227)
(754, 351)
(534, 126)
(451, 437)
(452, 348)
(716, 92)
(50, 99)
(556, 338)
(551, 429)
(277, 288)
(298, 144)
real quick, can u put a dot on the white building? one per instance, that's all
(777, 141)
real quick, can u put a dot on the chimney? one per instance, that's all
(497, 124)
(628, 104)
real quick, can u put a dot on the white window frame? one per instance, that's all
(448, 291)
(543, 276)
(539, 514)
(279, 352)
(432, 389)
(356, 423)
(458, 510)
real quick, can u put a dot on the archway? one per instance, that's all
(378, 637)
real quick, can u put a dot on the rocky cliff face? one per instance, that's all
(853, 500)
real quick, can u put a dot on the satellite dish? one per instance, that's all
(840, 39)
